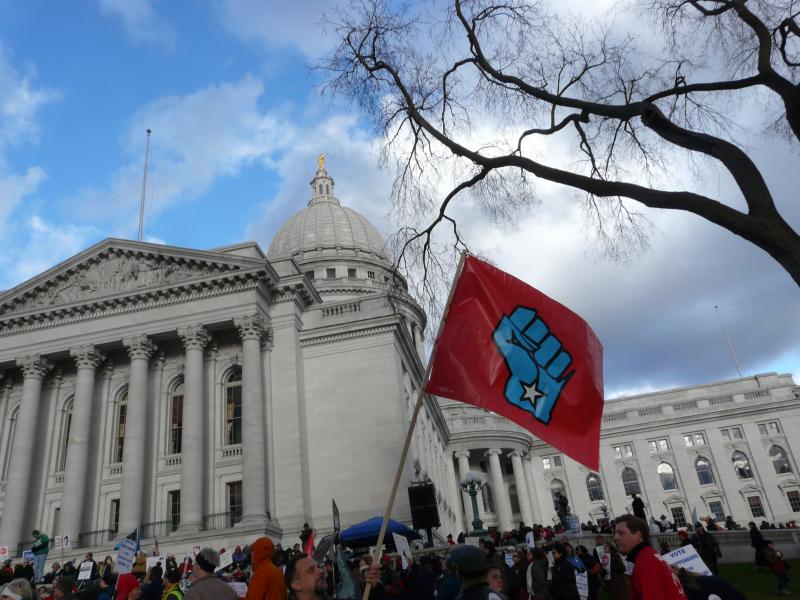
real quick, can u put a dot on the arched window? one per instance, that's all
(176, 418)
(779, 460)
(667, 476)
(119, 438)
(12, 427)
(741, 465)
(513, 499)
(66, 423)
(705, 475)
(630, 481)
(233, 407)
(594, 486)
(488, 499)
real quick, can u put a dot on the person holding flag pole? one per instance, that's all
(504, 346)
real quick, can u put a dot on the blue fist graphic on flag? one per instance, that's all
(536, 362)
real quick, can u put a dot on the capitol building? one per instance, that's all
(220, 394)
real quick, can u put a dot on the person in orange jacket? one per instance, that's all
(267, 582)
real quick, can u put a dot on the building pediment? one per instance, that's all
(115, 272)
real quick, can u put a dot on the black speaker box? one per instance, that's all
(424, 512)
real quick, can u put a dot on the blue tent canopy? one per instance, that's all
(366, 533)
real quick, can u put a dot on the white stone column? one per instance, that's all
(499, 488)
(455, 493)
(140, 349)
(522, 487)
(462, 456)
(536, 514)
(194, 339)
(254, 482)
(20, 467)
(87, 359)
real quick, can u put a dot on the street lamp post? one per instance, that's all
(471, 483)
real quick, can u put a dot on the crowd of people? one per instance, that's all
(530, 563)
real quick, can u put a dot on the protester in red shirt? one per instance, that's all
(652, 578)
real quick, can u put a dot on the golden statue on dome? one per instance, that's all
(321, 161)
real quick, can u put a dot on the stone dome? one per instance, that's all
(325, 228)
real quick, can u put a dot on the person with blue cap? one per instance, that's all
(471, 564)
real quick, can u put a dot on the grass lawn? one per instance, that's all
(758, 585)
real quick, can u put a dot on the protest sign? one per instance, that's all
(196, 549)
(3, 552)
(125, 556)
(86, 570)
(403, 549)
(225, 560)
(472, 541)
(66, 541)
(573, 524)
(551, 561)
(582, 581)
(605, 561)
(509, 556)
(628, 568)
(152, 561)
(239, 587)
(28, 555)
(687, 558)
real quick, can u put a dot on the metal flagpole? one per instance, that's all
(399, 473)
(144, 184)
(730, 345)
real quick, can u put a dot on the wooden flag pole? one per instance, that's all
(399, 473)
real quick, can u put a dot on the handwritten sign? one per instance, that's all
(582, 581)
(687, 558)
(605, 561)
(239, 587)
(225, 561)
(125, 556)
(403, 549)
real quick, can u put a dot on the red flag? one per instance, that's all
(510, 349)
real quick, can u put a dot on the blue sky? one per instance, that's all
(238, 119)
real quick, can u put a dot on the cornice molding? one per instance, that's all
(145, 300)
(346, 335)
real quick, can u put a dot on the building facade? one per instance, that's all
(232, 392)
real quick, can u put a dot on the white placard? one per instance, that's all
(605, 561)
(582, 581)
(550, 563)
(687, 558)
(509, 556)
(403, 549)
(225, 560)
(66, 541)
(530, 539)
(125, 556)
(3, 552)
(86, 570)
(59, 542)
(628, 568)
(152, 561)
(196, 549)
(472, 541)
(240, 587)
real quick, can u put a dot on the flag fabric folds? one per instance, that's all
(511, 349)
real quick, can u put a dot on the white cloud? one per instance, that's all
(140, 20)
(278, 24)
(197, 138)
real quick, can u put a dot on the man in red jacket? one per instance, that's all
(651, 579)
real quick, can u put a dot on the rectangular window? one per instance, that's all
(627, 450)
(233, 414)
(330, 273)
(235, 501)
(687, 439)
(794, 500)
(663, 445)
(114, 516)
(717, 512)
(725, 433)
(351, 273)
(546, 463)
(756, 508)
(175, 509)
(176, 424)
(699, 439)
(557, 461)
(617, 451)
(678, 516)
(120, 442)
(56, 520)
(653, 447)
(371, 274)
(736, 433)
(762, 428)
(773, 427)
